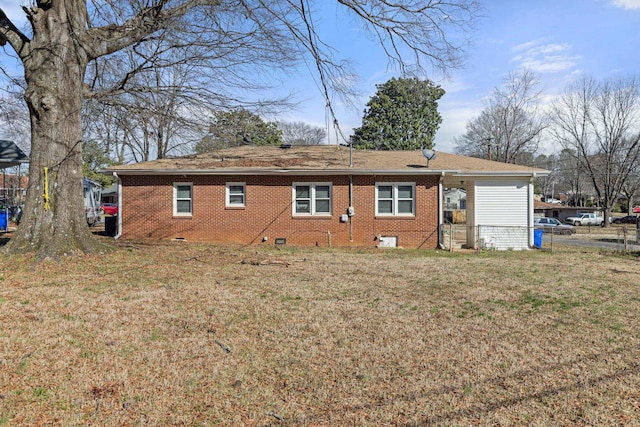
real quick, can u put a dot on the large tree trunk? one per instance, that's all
(54, 222)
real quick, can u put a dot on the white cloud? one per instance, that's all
(627, 4)
(543, 57)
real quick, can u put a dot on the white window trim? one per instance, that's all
(394, 209)
(228, 195)
(175, 198)
(312, 188)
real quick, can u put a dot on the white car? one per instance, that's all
(585, 219)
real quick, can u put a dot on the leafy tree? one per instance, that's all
(300, 133)
(402, 115)
(245, 40)
(94, 159)
(239, 127)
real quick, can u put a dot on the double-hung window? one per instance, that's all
(183, 198)
(312, 199)
(236, 194)
(395, 199)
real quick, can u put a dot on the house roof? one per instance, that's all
(537, 204)
(323, 160)
(11, 154)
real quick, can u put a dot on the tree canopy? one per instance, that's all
(239, 127)
(598, 122)
(300, 133)
(510, 126)
(94, 160)
(402, 115)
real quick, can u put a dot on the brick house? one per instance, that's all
(315, 195)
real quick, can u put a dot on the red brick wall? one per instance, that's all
(147, 212)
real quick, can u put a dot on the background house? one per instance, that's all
(455, 199)
(324, 196)
(455, 205)
(561, 212)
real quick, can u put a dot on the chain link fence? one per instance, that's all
(620, 238)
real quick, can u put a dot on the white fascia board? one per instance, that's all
(319, 172)
(502, 174)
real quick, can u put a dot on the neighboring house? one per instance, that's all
(455, 204)
(455, 198)
(324, 196)
(561, 212)
(110, 194)
(13, 188)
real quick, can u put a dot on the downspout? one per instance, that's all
(350, 212)
(119, 192)
(350, 209)
(530, 213)
(441, 213)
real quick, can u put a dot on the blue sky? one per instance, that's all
(557, 39)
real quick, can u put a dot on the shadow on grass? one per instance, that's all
(5, 236)
(482, 410)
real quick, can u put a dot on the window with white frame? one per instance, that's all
(395, 199)
(312, 199)
(236, 194)
(183, 198)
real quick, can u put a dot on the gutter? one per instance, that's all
(325, 172)
(314, 172)
(531, 210)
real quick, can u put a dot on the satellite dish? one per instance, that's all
(428, 154)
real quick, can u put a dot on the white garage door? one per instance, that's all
(502, 213)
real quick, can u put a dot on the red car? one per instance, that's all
(110, 208)
(636, 209)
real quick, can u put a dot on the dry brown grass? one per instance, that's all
(186, 334)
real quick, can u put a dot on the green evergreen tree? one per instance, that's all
(402, 115)
(95, 159)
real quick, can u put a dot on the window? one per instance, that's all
(312, 199)
(395, 199)
(182, 199)
(236, 194)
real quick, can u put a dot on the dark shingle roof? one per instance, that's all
(11, 154)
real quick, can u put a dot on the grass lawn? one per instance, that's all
(191, 334)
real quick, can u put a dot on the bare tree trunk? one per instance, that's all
(63, 36)
(53, 222)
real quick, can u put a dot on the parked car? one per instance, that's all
(629, 219)
(553, 226)
(110, 208)
(585, 219)
(636, 209)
